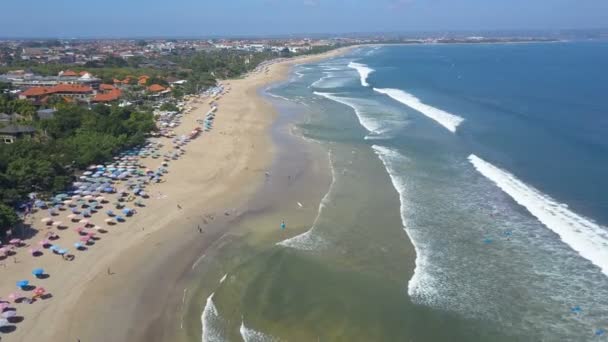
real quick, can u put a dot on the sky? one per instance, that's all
(196, 18)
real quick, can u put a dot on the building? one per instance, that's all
(156, 88)
(22, 79)
(108, 95)
(71, 91)
(45, 114)
(10, 133)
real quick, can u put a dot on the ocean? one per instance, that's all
(468, 202)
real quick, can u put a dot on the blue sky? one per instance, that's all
(112, 18)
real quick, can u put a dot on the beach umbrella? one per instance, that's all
(85, 239)
(79, 230)
(34, 251)
(120, 218)
(55, 248)
(78, 245)
(22, 283)
(38, 272)
(14, 296)
(62, 251)
(108, 220)
(3, 306)
(72, 216)
(43, 243)
(39, 291)
(15, 241)
(46, 220)
(57, 223)
(67, 202)
(9, 314)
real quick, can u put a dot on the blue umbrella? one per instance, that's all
(126, 211)
(600, 332)
(22, 283)
(78, 245)
(38, 272)
(110, 213)
(119, 218)
(62, 251)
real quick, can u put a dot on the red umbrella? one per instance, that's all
(39, 291)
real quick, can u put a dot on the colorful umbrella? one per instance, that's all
(22, 283)
(9, 314)
(39, 291)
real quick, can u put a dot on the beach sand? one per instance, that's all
(130, 285)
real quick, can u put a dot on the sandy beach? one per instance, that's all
(129, 285)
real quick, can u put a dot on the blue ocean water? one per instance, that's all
(499, 156)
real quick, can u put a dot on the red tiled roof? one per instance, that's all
(155, 88)
(69, 73)
(112, 95)
(71, 88)
(35, 91)
(106, 87)
(60, 88)
(82, 73)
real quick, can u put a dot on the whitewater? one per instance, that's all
(363, 70)
(586, 237)
(448, 120)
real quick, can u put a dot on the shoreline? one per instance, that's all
(151, 265)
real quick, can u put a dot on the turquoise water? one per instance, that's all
(468, 201)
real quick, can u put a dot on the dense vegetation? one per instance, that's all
(75, 138)
(23, 107)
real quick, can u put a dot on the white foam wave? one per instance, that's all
(309, 241)
(445, 119)
(369, 123)
(363, 71)
(420, 286)
(250, 335)
(583, 235)
(209, 320)
(223, 278)
(277, 96)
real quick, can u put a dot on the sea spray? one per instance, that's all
(210, 320)
(250, 335)
(370, 124)
(580, 233)
(363, 70)
(420, 286)
(308, 240)
(448, 120)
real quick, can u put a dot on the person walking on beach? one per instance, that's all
(179, 207)
(200, 230)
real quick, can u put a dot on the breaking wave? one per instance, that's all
(448, 120)
(363, 71)
(583, 235)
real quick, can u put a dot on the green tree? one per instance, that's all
(8, 219)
